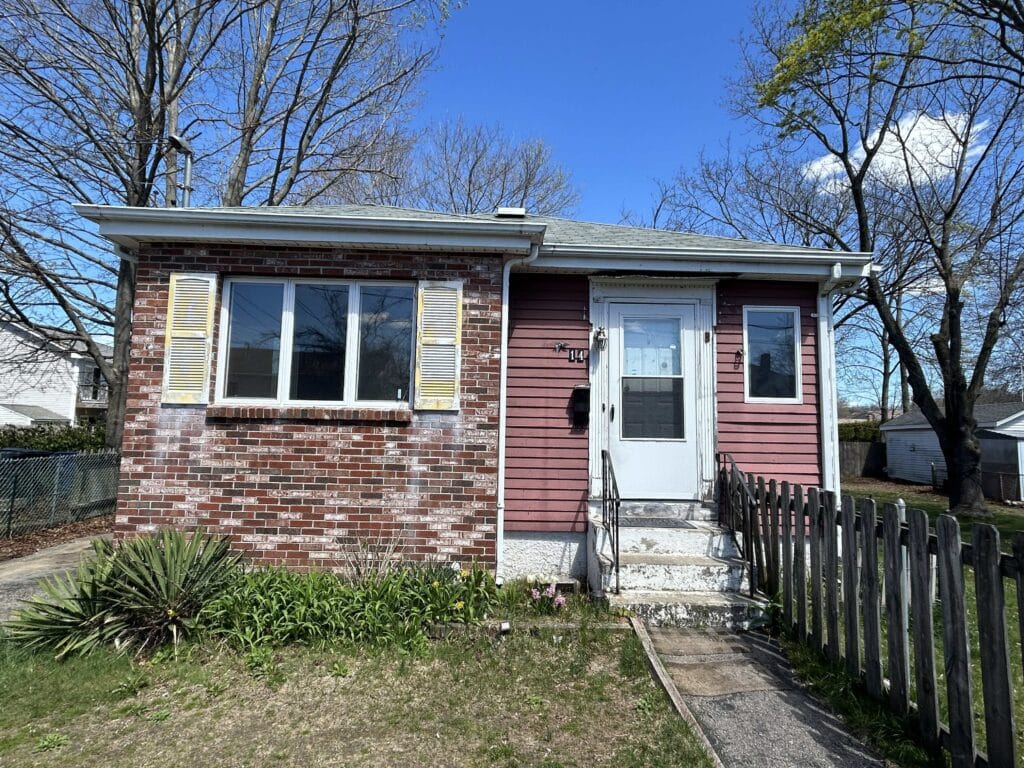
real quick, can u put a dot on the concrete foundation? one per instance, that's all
(545, 555)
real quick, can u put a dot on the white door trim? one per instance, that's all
(640, 290)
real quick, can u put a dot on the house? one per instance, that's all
(47, 382)
(303, 377)
(914, 454)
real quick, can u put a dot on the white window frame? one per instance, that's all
(797, 352)
(351, 381)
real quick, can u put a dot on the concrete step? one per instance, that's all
(695, 538)
(670, 608)
(638, 513)
(689, 573)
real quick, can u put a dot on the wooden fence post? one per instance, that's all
(831, 574)
(955, 646)
(766, 537)
(924, 633)
(773, 523)
(851, 614)
(1018, 554)
(869, 595)
(896, 611)
(814, 508)
(800, 566)
(994, 647)
(787, 555)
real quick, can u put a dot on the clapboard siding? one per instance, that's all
(911, 453)
(778, 440)
(547, 460)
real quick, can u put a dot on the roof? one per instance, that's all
(65, 341)
(559, 231)
(35, 412)
(988, 415)
(560, 244)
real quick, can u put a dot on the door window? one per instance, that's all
(652, 381)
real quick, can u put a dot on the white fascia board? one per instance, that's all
(130, 227)
(815, 267)
(1008, 421)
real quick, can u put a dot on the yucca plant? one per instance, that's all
(139, 595)
(73, 615)
(158, 584)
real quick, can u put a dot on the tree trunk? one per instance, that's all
(117, 385)
(886, 379)
(963, 467)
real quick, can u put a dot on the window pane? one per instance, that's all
(771, 354)
(318, 350)
(254, 339)
(385, 342)
(651, 347)
(652, 408)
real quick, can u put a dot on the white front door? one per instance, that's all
(652, 404)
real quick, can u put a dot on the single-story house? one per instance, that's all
(46, 381)
(302, 376)
(913, 451)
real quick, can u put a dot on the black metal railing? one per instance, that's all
(738, 513)
(610, 503)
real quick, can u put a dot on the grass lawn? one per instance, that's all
(550, 697)
(1007, 519)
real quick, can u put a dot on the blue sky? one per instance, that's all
(623, 92)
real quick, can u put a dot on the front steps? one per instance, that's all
(677, 566)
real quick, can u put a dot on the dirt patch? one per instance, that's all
(33, 542)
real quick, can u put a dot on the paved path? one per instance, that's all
(19, 578)
(742, 692)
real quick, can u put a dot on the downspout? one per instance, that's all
(499, 573)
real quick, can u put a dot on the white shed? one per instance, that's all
(913, 453)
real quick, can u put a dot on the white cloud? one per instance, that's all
(919, 148)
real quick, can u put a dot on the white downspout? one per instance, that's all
(499, 573)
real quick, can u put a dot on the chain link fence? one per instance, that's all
(44, 491)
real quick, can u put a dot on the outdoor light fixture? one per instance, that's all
(600, 337)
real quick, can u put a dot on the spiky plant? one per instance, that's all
(137, 596)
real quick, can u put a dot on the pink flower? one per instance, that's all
(550, 591)
(535, 594)
(560, 601)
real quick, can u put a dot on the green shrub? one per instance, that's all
(274, 607)
(84, 438)
(137, 596)
(860, 432)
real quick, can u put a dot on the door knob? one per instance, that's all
(611, 413)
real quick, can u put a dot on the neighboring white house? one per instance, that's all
(913, 453)
(43, 382)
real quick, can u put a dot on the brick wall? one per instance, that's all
(296, 486)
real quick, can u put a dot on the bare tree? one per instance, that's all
(273, 95)
(933, 147)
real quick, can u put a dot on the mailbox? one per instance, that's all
(579, 406)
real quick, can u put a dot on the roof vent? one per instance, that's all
(510, 213)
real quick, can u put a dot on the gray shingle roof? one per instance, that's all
(559, 231)
(35, 412)
(987, 415)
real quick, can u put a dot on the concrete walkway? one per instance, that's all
(744, 695)
(19, 578)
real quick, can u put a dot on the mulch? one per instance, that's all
(28, 543)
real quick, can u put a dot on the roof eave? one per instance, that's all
(813, 265)
(131, 227)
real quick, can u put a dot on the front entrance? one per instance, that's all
(652, 399)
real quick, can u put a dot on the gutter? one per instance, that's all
(506, 271)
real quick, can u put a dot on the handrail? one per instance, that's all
(610, 504)
(738, 512)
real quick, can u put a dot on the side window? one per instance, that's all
(771, 338)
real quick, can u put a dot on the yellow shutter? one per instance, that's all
(438, 340)
(188, 338)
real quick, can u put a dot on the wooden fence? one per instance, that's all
(858, 584)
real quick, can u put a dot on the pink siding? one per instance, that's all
(779, 441)
(546, 471)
